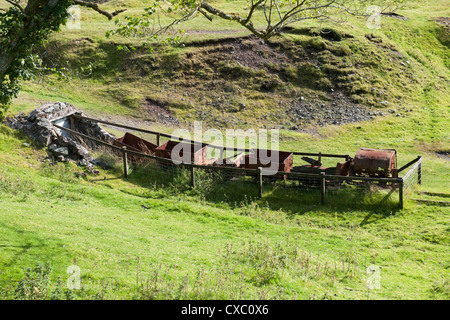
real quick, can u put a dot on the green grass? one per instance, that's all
(313, 251)
(207, 243)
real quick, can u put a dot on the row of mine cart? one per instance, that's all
(367, 162)
(199, 154)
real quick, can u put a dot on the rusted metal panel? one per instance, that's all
(233, 161)
(197, 153)
(343, 169)
(264, 159)
(135, 143)
(374, 162)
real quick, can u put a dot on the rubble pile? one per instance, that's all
(61, 146)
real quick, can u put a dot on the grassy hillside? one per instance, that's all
(133, 239)
(228, 79)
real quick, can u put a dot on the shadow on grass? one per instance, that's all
(291, 198)
(24, 244)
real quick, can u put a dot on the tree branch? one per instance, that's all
(205, 14)
(244, 22)
(252, 9)
(175, 22)
(95, 7)
(292, 13)
(278, 10)
(16, 4)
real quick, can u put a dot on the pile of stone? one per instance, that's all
(61, 145)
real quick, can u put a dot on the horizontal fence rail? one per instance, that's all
(312, 154)
(321, 182)
(419, 158)
(149, 156)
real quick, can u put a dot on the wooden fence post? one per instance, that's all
(158, 139)
(400, 194)
(192, 176)
(322, 188)
(260, 182)
(419, 172)
(125, 162)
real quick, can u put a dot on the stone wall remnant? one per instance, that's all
(61, 145)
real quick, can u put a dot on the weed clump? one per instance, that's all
(37, 285)
(62, 171)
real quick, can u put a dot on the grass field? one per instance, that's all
(132, 239)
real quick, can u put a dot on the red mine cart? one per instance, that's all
(197, 153)
(137, 144)
(261, 158)
(377, 163)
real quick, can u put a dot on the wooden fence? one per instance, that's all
(415, 165)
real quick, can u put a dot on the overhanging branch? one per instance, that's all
(205, 14)
(232, 17)
(16, 4)
(95, 7)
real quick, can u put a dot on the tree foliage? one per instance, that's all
(275, 14)
(22, 28)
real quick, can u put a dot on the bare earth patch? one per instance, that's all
(156, 112)
(273, 59)
(443, 154)
(394, 15)
(444, 21)
(248, 52)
